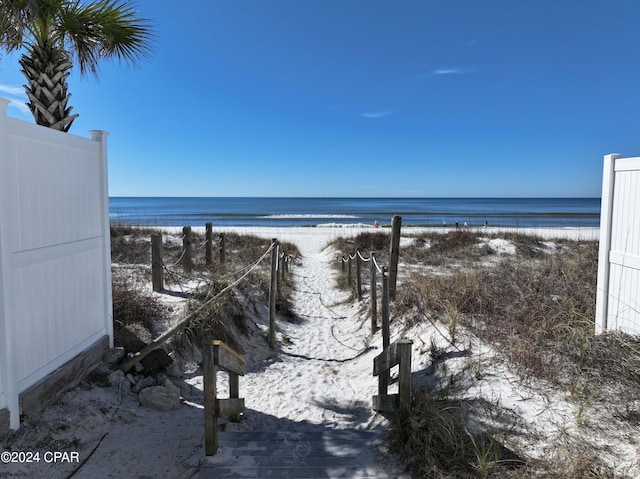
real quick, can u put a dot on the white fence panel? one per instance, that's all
(618, 299)
(55, 280)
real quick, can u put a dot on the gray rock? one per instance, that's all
(160, 398)
(143, 383)
(116, 377)
(113, 356)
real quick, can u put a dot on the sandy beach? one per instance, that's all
(320, 377)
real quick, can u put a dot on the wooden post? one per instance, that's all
(404, 376)
(187, 263)
(386, 337)
(157, 272)
(272, 294)
(222, 251)
(234, 392)
(210, 371)
(208, 249)
(349, 275)
(358, 276)
(374, 295)
(395, 254)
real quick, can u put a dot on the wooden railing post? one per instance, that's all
(157, 272)
(187, 262)
(210, 372)
(273, 293)
(208, 249)
(395, 254)
(374, 295)
(216, 355)
(398, 353)
(349, 272)
(358, 276)
(386, 336)
(404, 375)
(222, 250)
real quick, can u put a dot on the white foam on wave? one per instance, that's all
(307, 216)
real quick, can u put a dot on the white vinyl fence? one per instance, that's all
(55, 276)
(618, 297)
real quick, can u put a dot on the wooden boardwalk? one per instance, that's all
(299, 455)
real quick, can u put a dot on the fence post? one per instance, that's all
(157, 272)
(395, 253)
(358, 275)
(272, 293)
(386, 340)
(374, 295)
(349, 272)
(602, 295)
(222, 250)
(210, 370)
(187, 263)
(209, 243)
(404, 375)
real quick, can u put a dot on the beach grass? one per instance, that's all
(533, 301)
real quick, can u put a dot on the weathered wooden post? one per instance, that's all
(349, 272)
(358, 275)
(221, 249)
(208, 248)
(395, 254)
(374, 295)
(157, 273)
(187, 262)
(273, 293)
(404, 375)
(386, 337)
(210, 372)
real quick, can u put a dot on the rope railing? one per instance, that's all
(184, 322)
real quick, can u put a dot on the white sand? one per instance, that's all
(321, 377)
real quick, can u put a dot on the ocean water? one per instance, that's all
(513, 212)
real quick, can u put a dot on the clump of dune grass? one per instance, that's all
(435, 441)
(214, 316)
(131, 305)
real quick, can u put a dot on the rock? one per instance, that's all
(138, 367)
(116, 377)
(143, 383)
(113, 356)
(160, 398)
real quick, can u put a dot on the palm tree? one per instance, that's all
(55, 34)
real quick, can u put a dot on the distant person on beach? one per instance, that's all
(466, 225)
(457, 225)
(486, 224)
(444, 223)
(376, 224)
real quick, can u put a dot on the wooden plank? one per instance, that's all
(46, 391)
(227, 358)
(229, 407)
(385, 360)
(404, 378)
(386, 402)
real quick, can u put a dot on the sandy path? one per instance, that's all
(316, 379)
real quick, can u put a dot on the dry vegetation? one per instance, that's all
(146, 314)
(533, 303)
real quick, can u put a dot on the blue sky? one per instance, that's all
(366, 98)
